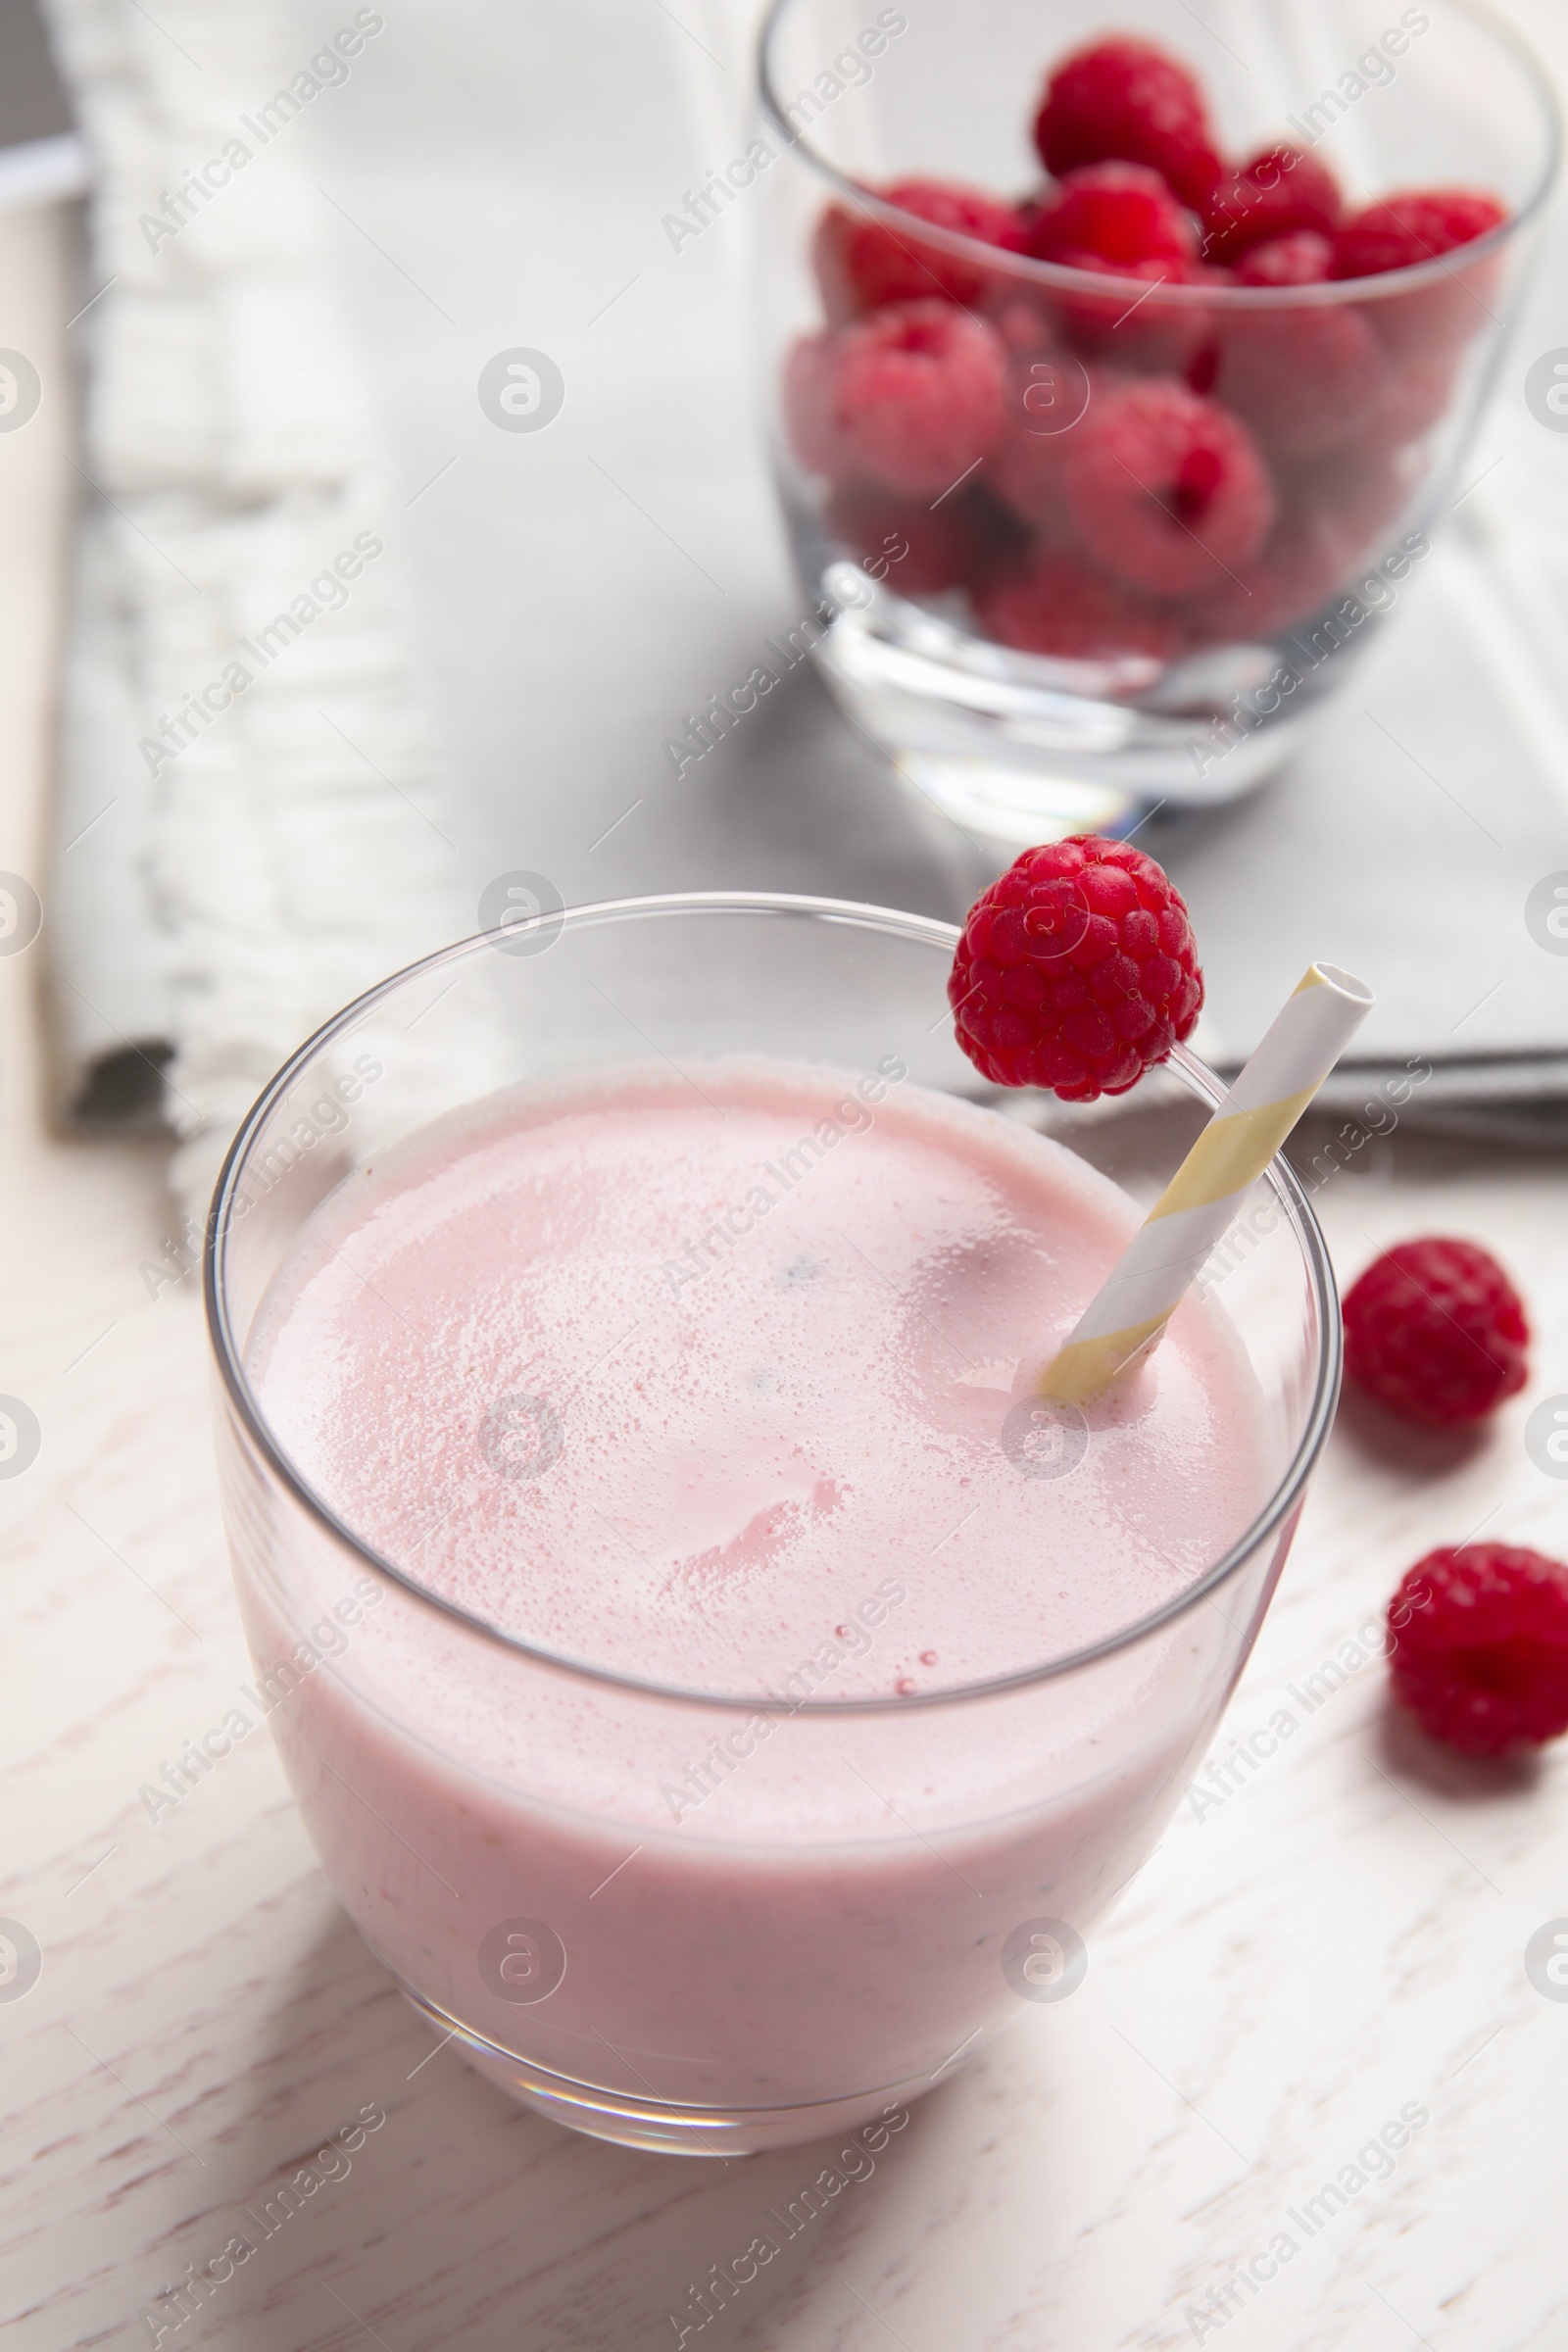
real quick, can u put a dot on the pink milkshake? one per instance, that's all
(717, 1691)
(715, 1382)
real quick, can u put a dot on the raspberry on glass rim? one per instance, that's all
(864, 264)
(1076, 971)
(1167, 490)
(1124, 100)
(908, 397)
(1478, 1647)
(1279, 192)
(1436, 1332)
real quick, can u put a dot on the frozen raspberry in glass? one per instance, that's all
(1304, 257)
(1299, 571)
(1114, 216)
(1119, 220)
(864, 262)
(1417, 226)
(1305, 378)
(1167, 490)
(1417, 395)
(1028, 472)
(1061, 608)
(1128, 101)
(1358, 491)
(1280, 191)
(918, 551)
(909, 399)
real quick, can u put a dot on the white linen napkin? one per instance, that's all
(248, 827)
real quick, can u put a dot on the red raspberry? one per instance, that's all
(1478, 1646)
(1127, 101)
(1115, 217)
(1303, 259)
(1417, 395)
(1167, 489)
(1029, 471)
(1305, 564)
(909, 398)
(1076, 971)
(1280, 191)
(1413, 226)
(1360, 488)
(916, 551)
(1424, 322)
(1437, 1332)
(1305, 376)
(862, 264)
(1060, 608)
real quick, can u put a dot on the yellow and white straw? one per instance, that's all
(1128, 1314)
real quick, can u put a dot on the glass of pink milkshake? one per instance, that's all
(720, 1693)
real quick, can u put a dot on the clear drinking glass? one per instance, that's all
(754, 1970)
(985, 611)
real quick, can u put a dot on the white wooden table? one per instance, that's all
(1336, 1944)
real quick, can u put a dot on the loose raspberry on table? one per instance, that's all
(1478, 1646)
(1116, 216)
(1060, 608)
(1128, 101)
(1435, 1330)
(909, 399)
(1303, 259)
(864, 264)
(1076, 972)
(1167, 489)
(1279, 192)
(1415, 226)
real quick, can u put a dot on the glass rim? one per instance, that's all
(1387, 287)
(918, 930)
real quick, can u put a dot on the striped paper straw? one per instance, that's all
(1126, 1317)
